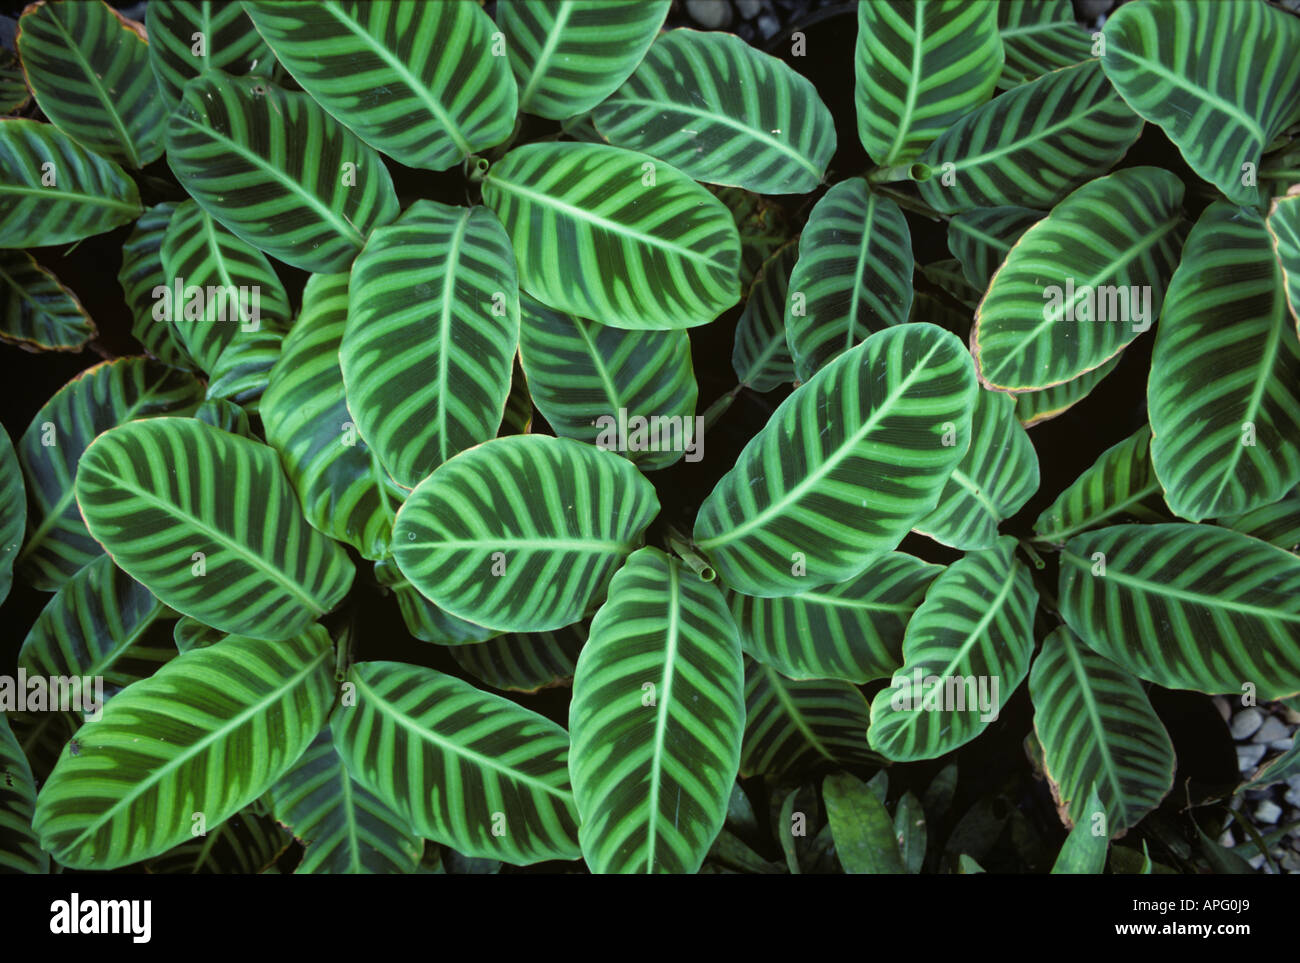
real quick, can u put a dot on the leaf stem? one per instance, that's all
(720, 406)
(680, 544)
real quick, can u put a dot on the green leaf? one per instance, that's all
(982, 238)
(522, 533)
(424, 620)
(217, 288)
(1278, 524)
(463, 767)
(168, 499)
(109, 394)
(247, 843)
(433, 319)
(588, 378)
(420, 82)
(761, 355)
(1223, 395)
(208, 733)
(1187, 606)
(53, 191)
(228, 43)
(1035, 407)
(190, 633)
(853, 277)
(571, 55)
(863, 831)
(278, 171)
(14, 94)
(344, 827)
(852, 630)
(1118, 485)
(89, 69)
(1041, 321)
(910, 832)
(1039, 36)
(997, 475)
(342, 488)
(966, 650)
(919, 65)
(243, 370)
(1098, 732)
(140, 275)
(722, 112)
(95, 626)
(1084, 851)
(811, 501)
(524, 662)
(643, 247)
(13, 511)
(36, 311)
(1180, 66)
(1032, 145)
(19, 850)
(657, 718)
(793, 728)
(1284, 230)
(763, 225)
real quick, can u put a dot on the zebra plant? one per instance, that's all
(483, 416)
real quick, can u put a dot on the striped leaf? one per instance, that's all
(657, 719)
(851, 630)
(1278, 524)
(424, 620)
(14, 95)
(982, 238)
(1224, 391)
(341, 486)
(761, 355)
(1187, 606)
(1108, 250)
(1220, 79)
(421, 82)
(640, 244)
(518, 417)
(109, 394)
(53, 191)
(206, 735)
(571, 55)
(796, 729)
(811, 501)
(861, 826)
(247, 843)
(190, 633)
(1032, 145)
(19, 850)
(918, 66)
(1097, 726)
(96, 625)
(1039, 36)
(586, 378)
(524, 662)
(226, 415)
(241, 374)
(168, 499)
(853, 277)
(217, 288)
(1284, 230)
(36, 311)
(13, 511)
(522, 533)
(89, 69)
(997, 475)
(722, 112)
(433, 319)
(278, 171)
(463, 767)
(344, 827)
(1084, 850)
(1035, 407)
(966, 650)
(227, 41)
(1119, 485)
(140, 275)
